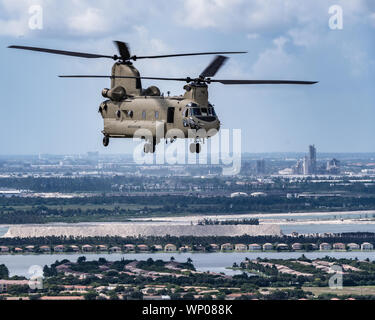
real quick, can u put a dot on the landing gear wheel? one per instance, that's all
(106, 141)
(193, 148)
(149, 148)
(198, 148)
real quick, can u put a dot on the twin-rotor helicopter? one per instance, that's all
(130, 108)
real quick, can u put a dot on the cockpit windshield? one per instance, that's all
(192, 109)
(211, 110)
(195, 112)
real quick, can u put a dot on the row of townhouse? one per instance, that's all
(92, 248)
(366, 246)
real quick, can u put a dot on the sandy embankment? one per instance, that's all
(129, 230)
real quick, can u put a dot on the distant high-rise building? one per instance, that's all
(261, 166)
(312, 159)
(306, 166)
(298, 168)
(333, 166)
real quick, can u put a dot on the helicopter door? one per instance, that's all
(170, 117)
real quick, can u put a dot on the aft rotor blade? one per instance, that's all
(187, 54)
(125, 77)
(123, 49)
(213, 67)
(228, 82)
(65, 53)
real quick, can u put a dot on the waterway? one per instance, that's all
(214, 262)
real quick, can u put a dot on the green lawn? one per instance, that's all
(365, 290)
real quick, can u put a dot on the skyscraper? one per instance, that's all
(312, 159)
(261, 166)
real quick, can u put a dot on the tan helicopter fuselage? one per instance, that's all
(149, 110)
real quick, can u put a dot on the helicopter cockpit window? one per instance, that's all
(195, 112)
(211, 110)
(204, 112)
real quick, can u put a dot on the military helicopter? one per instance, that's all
(130, 108)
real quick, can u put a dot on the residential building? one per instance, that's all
(255, 247)
(297, 246)
(170, 248)
(226, 247)
(339, 246)
(353, 246)
(45, 248)
(325, 246)
(268, 246)
(115, 249)
(87, 248)
(282, 246)
(142, 247)
(129, 247)
(366, 246)
(4, 249)
(240, 247)
(59, 248)
(214, 247)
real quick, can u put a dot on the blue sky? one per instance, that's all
(286, 39)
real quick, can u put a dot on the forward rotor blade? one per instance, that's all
(61, 52)
(228, 82)
(186, 54)
(213, 67)
(123, 49)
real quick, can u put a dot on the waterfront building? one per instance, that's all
(255, 247)
(339, 246)
(129, 247)
(240, 247)
(297, 246)
(170, 248)
(353, 246)
(87, 248)
(226, 247)
(45, 248)
(59, 248)
(367, 246)
(325, 246)
(268, 246)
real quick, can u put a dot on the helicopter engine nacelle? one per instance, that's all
(116, 94)
(152, 91)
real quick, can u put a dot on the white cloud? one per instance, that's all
(92, 20)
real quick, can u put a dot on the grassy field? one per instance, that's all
(365, 290)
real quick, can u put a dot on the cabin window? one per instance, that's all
(144, 115)
(156, 115)
(204, 111)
